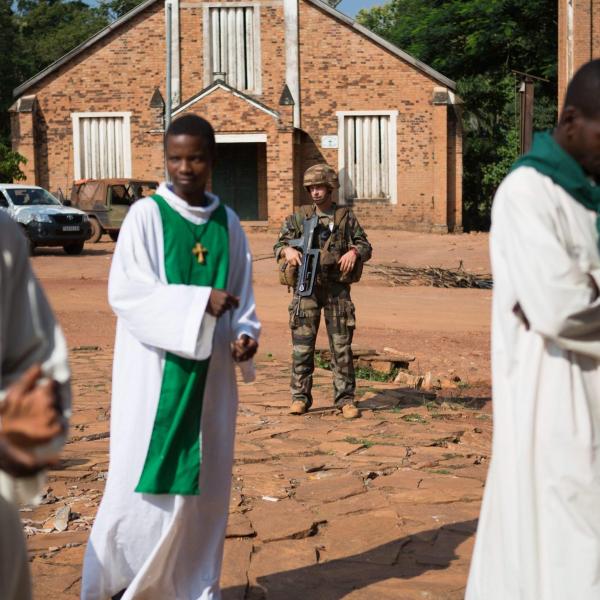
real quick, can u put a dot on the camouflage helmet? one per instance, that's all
(321, 174)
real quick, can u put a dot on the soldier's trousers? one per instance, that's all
(338, 310)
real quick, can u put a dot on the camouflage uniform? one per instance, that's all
(333, 298)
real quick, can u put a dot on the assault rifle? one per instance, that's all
(310, 257)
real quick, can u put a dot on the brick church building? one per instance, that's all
(285, 83)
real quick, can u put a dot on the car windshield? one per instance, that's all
(31, 197)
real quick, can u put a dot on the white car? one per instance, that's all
(45, 221)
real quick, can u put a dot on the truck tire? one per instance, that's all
(96, 230)
(73, 248)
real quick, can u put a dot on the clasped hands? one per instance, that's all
(219, 302)
(30, 416)
(347, 262)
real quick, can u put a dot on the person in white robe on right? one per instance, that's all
(539, 532)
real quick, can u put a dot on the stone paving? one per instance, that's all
(381, 507)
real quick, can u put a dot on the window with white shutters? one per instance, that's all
(234, 46)
(367, 155)
(101, 145)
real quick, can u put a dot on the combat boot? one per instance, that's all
(298, 407)
(350, 411)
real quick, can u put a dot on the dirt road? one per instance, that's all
(383, 507)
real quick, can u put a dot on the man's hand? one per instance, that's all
(221, 301)
(30, 414)
(292, 256)
(19, 462)
(348, 261)
(244, 348)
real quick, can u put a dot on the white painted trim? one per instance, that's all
(206, 44)
(393, 141)
(392, 148)
(241, 138)
(175, 54)
(366, 113)
(99, 115)
(257, 50)
(126, 116)
(199, 97)
(570, 36)
(292, 61)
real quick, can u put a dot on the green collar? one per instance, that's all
(548, 157)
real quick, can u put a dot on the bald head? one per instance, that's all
(583, 92)
(578, 131)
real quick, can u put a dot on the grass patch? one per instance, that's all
(414, 418)
(366, 373)
(440, 471)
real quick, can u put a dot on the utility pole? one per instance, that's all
(526, 104)
(526, 91)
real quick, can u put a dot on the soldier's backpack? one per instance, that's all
(331, 252)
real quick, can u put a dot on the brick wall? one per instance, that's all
(578, 38)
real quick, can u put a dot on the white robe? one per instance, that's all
(166, 546)
(28, 335)
(539, 531)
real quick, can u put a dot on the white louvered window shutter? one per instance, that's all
(233, 46)
(103, 143)
(367, 157)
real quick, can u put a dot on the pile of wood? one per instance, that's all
(398, 275)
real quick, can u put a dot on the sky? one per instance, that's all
(351, 7)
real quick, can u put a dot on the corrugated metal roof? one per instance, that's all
(322, 5)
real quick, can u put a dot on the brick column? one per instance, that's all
(439, 213)
(280, 175)
(22, 134)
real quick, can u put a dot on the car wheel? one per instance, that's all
(114, 235)
(74, 248)
(96, 230)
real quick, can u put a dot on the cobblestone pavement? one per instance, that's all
(381, 507)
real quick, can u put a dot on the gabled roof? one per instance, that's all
(221, 85)
(322, 5)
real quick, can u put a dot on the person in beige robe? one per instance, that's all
(34, 400)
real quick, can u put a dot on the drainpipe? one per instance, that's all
(168, 99)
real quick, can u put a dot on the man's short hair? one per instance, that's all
(195, 126)
(583, 91)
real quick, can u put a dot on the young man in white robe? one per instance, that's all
(181, 286)
(539, 531)
(34, 400)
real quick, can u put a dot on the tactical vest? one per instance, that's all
(332, 244)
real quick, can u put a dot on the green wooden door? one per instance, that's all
(235, 178)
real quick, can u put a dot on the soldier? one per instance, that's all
(343, 249)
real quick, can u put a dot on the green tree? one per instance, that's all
(35, 33)
(478, 44)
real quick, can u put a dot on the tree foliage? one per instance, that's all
(35, 33)
(479, 44)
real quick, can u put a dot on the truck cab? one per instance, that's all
(106, 202)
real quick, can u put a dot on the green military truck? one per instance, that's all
(106, 202)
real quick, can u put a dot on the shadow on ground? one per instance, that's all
(415, 555)
(411, 398)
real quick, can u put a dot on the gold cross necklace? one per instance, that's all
(199, 250)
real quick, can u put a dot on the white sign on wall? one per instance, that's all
(329, 141)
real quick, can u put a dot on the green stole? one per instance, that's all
(174, 454)
(548, 157)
